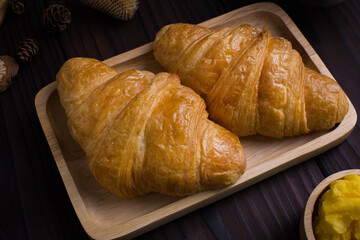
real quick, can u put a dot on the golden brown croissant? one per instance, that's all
(252, 83)
(145, 133)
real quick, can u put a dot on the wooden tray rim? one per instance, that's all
(188, 204)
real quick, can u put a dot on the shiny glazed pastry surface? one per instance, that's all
(146, 133)
(252, 83)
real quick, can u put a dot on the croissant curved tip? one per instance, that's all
(160, 33)
(223, 160)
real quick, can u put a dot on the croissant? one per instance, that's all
(252, 83)
(145, 133)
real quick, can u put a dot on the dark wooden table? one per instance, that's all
(34, 203)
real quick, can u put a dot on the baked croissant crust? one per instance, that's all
(252, 83)
(145, 133)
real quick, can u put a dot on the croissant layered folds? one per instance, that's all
(252, 83)
(145, 133)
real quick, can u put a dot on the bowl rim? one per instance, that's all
(307, 227)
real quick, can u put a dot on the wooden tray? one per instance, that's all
(106, 216)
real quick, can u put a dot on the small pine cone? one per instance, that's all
(27, 49)
(56, 18)
(120, 9)
(18, 6)
(8, 69)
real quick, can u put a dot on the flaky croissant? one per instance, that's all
(145, 133)
(252, 83)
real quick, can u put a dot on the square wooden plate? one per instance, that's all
(106, 216)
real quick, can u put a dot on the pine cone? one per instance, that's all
(120, 9)
(27, 49)
(8, 69)
(56, 18)
(18, 6)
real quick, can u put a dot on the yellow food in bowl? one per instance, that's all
(338, 214)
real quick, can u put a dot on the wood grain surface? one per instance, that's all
(34, 202)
